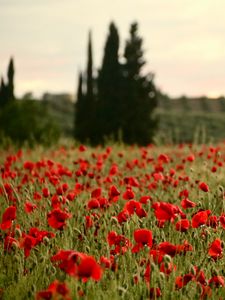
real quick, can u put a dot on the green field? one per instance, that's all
(112, 223)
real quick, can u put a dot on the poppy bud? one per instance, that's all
(167, 258)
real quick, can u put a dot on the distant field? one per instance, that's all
(180, 120)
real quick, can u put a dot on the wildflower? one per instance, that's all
(56, 289)
(57, 218)
(200, 218)
(217, 281)
(215, 249)
(8, 216)
(142, 237)
(204, 187)
(182, 225)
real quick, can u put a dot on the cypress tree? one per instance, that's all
(10, 84)
(140, 94)
(109, 87)
(79, 112)
(3, 93)
(90, 70)
(85, 106)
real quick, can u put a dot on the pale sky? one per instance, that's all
(184, 41)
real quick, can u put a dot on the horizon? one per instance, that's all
(184, 42)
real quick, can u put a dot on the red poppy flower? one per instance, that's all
(131, 206)
(182, 225)
(183, 248)
(113, 192)
(181, 281)
(45, 192)
(96, 193)
(89, 268)
(191, 158)
(215, 250)
(121, 243)
(204, 187)
(113, 170)
(28, 165)
(88, 222)
(213, 221)
(142, 237)
(213, 169)
(222, 221)
(29, 207)
(156, 255)
(8, 216)
(57, 218)
(206, 292)
(167, 248)
(132, 181)
(93, 204)
(145, 199)
(27, 243)
(123, 216)
(167, 268)
(184, 193)
(105, 262)
(200, 218)
(200, 276)
(9, 242)
(37, 196)
(186, 203)
(82, 148)
(40, 234)
(147, 274)
(155, 293)
(67, 261)
(56, 289)
(129, 194)
(217, 281)
(163, 158)
(165, 211)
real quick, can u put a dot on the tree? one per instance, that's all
(109, 88)
(79, 112)
(10, 84)
(140, 94)
(85, 104)
(3, 94)
(7, 89)
(90, 93)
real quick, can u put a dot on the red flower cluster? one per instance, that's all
(77, 264)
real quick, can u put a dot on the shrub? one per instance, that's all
(27, 121)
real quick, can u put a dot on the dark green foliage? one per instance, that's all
(3, 94)
(62, 111)
(79, 112)
(85, 110)
(122, 107)
(110, 86)
(7, 89)
(10, 85)
(27, 121)
(90, 70)
(189, 127)
(139, 94)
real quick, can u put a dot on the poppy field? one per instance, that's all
(113, 223)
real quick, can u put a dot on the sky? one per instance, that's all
(184, 42)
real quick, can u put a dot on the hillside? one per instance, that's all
(180, 120)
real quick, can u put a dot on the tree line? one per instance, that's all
(119, 102)
(23, 121)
